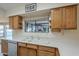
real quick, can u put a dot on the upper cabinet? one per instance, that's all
(64, 17)
(70, 17)
(15, 22)
(56, 18)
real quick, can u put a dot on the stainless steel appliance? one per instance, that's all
(12, 48)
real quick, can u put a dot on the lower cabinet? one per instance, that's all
(31, 52)
(11, 48)
(22, 51)
(4, 47)
(25, 49)
(45, 53)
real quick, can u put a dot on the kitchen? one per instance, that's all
(58, 36)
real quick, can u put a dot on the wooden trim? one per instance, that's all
(32, 46)
(57, 52)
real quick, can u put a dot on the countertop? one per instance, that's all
(32, 42)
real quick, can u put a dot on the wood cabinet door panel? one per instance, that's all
(56, 18)
(45, 48)
(4, 46)
(15, 22)
(71, 17)
(45, 53)
(22, 51)
(31, 52)
(32, 46)
(11, 22)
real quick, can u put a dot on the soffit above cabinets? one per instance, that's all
(40, 13)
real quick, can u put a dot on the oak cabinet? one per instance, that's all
(36, 50)
(56, 18)
(46, 48)
(70, 17)
(64, 18)
(15, 22)
(26, 50)
(31, 49)
(11, 22)
(31, 52)
(22, 51)
(45, 53)
(4, 47)
(33, 46)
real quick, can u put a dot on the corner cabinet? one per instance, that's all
(64, 17)
(15, 22)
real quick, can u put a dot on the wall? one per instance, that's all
(67, 43)
(3, 17)
(40, 6)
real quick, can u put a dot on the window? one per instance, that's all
(5, 31)
(2, 31)
(38, 25)
(8, 32)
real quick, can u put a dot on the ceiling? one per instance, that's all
(9, 6)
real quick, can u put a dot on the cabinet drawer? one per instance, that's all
(32, 46)
(22, 44)
(45, 53)
(45, 48)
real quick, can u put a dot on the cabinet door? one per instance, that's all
(31, 52)
(56, 18)
(20, 22)
(70, 17)
(45, 53)
(22, 51)
(11, 22)
(15, 20)
(4, 46)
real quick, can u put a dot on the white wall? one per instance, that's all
(40, 6)
(3, 17)
(67, 43)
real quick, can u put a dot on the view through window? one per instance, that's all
(5, 31)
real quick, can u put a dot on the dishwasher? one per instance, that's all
(12, 48)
